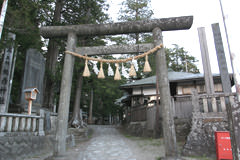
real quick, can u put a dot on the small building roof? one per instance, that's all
(172, 76)
(31, 89)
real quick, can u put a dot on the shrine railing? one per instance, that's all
(11, 124)
(213, 103)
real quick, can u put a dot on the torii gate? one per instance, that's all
(155, 26)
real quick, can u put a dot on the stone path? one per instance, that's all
(107, 144)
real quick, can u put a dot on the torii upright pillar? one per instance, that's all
(169, 133)
(65, 93)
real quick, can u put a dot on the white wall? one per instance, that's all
(146, 91)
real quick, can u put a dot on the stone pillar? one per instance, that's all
(165, 98)
(28, 125)
(15, 124)
(22, 124)
(9, 124)
(41, 123)
(3, 123)
(34, 124)
(65, 93)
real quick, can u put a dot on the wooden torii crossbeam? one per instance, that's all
(155, 26)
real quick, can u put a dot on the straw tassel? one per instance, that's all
(86, 72)
(117, 73)
(147, 67)
(101, 73)
(132, 71)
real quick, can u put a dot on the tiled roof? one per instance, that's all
(172, 76)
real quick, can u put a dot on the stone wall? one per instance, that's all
(20, 147)
(201, 140)
(182, 127)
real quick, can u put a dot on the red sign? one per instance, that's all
(223, 145)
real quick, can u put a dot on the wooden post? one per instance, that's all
(226, 88)
(209, 85)
(5, 73)
(64, 100)
(29, 107)
(222, 64)
(206, 62)
(165, 98)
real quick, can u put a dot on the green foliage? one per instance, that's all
(21, 19)
(84, 11)
(134, 10)
(179, 60)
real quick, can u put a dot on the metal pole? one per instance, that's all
(233, 59)
(3, 13)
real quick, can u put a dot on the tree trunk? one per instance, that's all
(76, 120)
(52, 54)
(90, 108)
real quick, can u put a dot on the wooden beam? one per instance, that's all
(166, 24)
(115, 49)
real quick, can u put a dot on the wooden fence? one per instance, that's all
(138, 113)
(21, 123)
(182, 108)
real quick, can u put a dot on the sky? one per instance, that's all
(205, 13)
